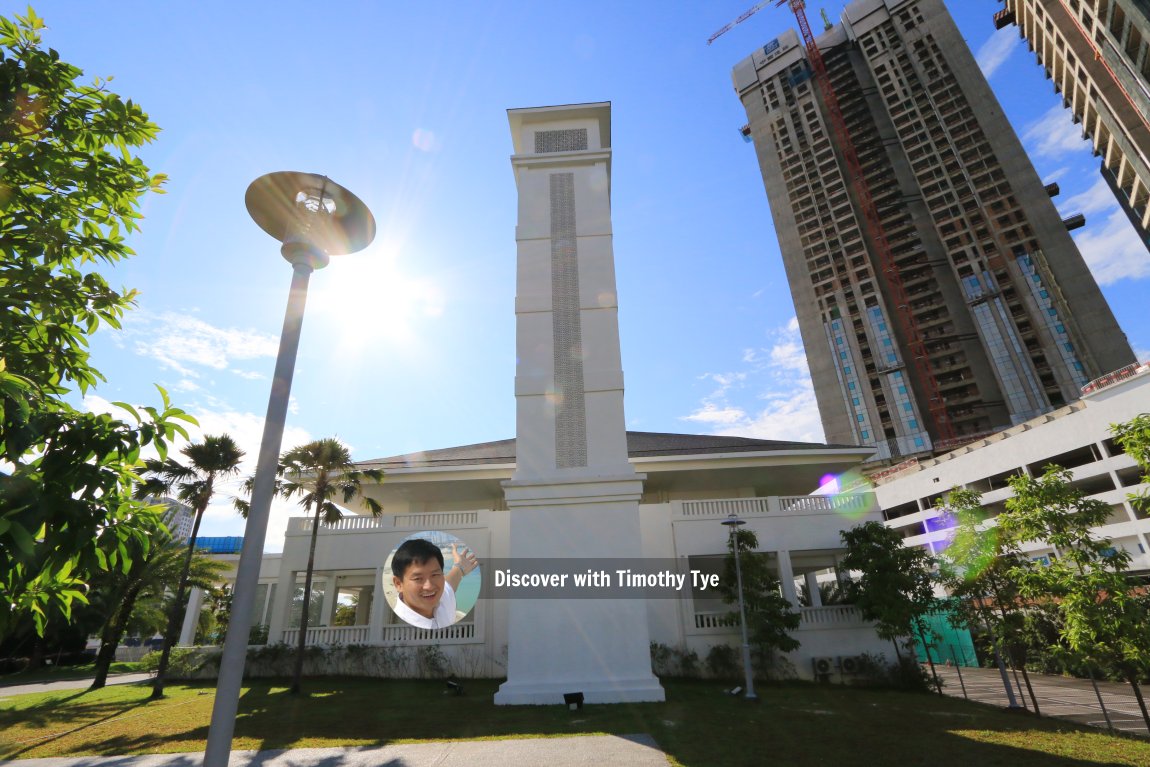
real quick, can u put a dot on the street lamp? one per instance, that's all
(315, 218)
(733, 523)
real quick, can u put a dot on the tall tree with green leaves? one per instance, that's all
(70, 189)
(770, 617)
(896, 586)
(194, 482)
(316, 473)
(977, 570)
(1133, 437)
(1101, 619)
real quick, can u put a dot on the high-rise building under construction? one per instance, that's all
(960, 305)
(1097, 53)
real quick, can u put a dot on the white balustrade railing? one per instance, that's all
(821, 504)
(723, 507)
(436, 520)
(831, 615)
(716, 620)
(355, 523)
(786, 504)
(402, 633)
(397, 634)
(328, 635)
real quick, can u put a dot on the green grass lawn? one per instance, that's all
(61, 673)
(698, 725)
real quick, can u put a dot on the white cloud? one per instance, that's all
(996, 50)
(250, 375)
(1096, 199)
(783, 400)
(246, 429)
(1114, 251)
(180, 342)
(1054, 135)
(711, 413)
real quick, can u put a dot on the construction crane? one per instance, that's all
(916, 348)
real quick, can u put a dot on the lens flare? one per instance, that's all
(848, 493)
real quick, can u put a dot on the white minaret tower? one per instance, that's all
(574, 493)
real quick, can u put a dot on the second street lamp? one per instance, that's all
(733, 523)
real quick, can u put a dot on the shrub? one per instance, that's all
(723, 662)
(673, 661)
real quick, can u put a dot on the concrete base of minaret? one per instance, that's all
(599, 647)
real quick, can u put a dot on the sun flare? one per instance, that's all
(368, 296)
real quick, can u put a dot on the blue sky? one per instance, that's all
(409, 345)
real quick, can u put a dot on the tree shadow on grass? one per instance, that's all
(101, 712)
(698, 725)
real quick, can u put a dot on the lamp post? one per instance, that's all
(314, 218)
(733, 523)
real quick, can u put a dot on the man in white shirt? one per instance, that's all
(426, 593)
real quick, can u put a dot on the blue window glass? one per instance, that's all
(907, 407)
(1060, 328)
(866, 435)
(912, 424)
(847, 369)
(855, 401)
(860, 417)
(902, 390)
(896, 374)
(918, 442)
(885, 342)
(851, 385)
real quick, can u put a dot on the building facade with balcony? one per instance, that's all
(691, 484)
(1097, 54)
(1076, 437)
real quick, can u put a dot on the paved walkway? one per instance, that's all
(577, 751)
(1058, 696)
(67, 684)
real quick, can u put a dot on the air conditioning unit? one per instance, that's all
(850, 664)
(823, 666)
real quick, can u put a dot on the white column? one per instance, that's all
(378, 604)
(363, 606)
(191, 617)
(281, 608)
(787, 576)
(330, 593)
(812, 582)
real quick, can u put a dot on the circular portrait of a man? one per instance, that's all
(435, 580)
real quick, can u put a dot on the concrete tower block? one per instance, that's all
(574, 494)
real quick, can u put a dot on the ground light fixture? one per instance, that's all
(733, 523)
(315, 218)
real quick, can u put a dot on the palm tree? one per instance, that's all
(195, 484)
(133, 600)
(316, 472)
